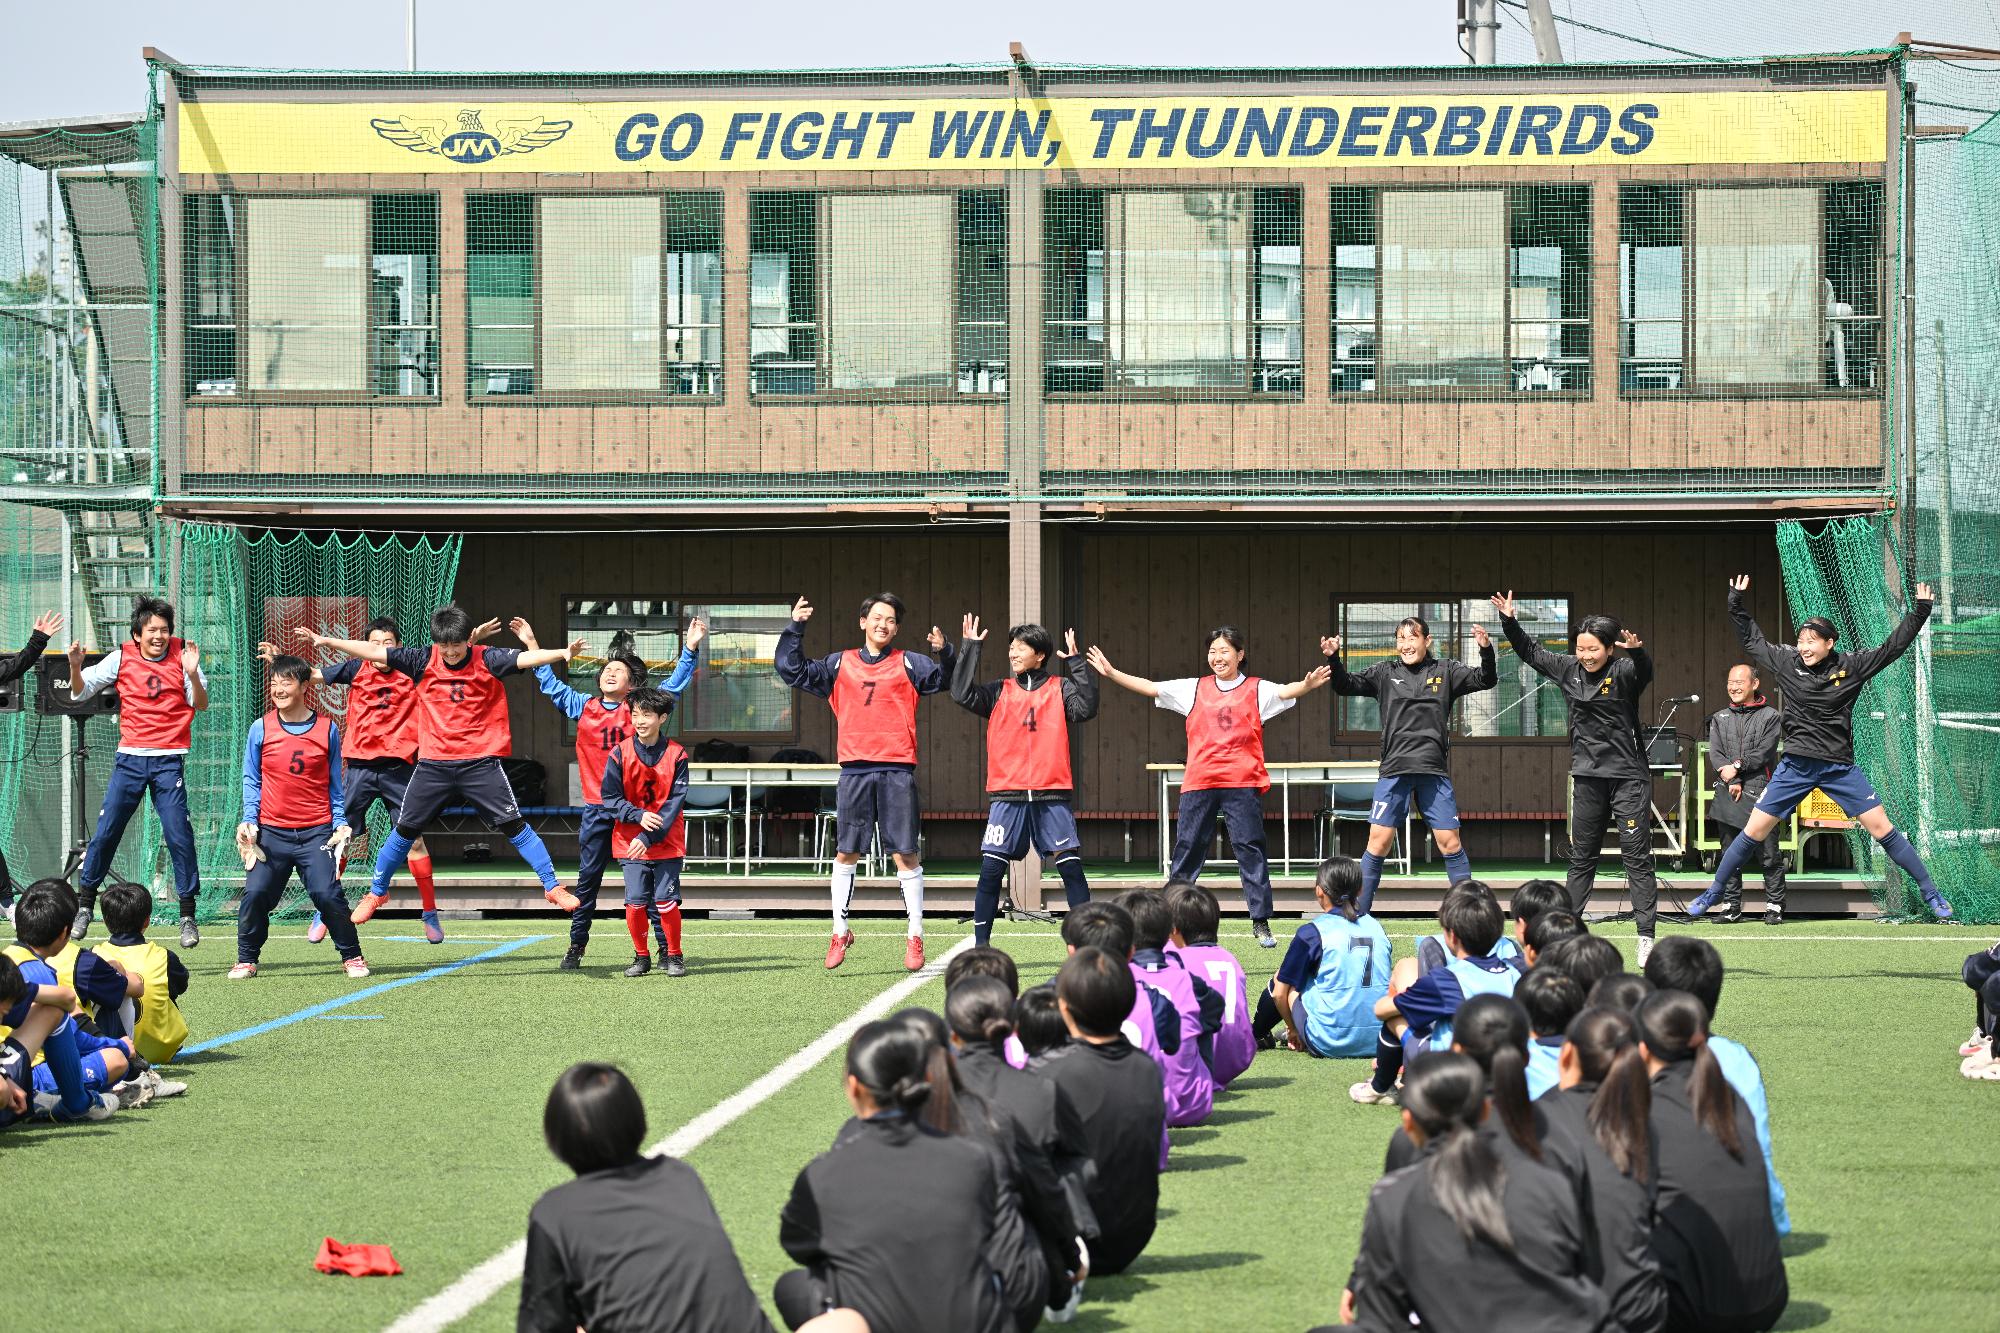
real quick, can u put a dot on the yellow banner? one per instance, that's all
(983, 133)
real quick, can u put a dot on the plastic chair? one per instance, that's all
(1353, 802)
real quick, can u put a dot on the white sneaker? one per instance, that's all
(1364, 1092)
(163, 1087)
(1981, 1066)
(1975, 1043)
(132, 1093)
(1645, 950)
(102, 1109)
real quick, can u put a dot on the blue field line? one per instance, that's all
(367, 992)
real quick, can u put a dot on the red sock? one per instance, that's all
(635, 926)
(420, 871)
(670, 921)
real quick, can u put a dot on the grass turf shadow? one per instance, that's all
(1262, 1084)
(1802, 1242)
(1203, 1161)
(1804, 1314)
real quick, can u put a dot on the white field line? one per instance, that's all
(471, 1291)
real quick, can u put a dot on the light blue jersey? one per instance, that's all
(1740, 1068)
(1338, 1004)
(1433, 952)
(1544, 1056)
(1475, 976)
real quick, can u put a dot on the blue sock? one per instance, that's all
(1076, 888)
(1458, 866)
(395, 851)
(1371, 879)
(1898, 849)
(1734, 857)
(66, 1068)
(529, 844)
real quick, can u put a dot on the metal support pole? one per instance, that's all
(410, 36)
(1024, 418)
(1947, 596)
(1483, 22)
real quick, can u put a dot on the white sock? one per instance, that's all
(912, 884)
(843, 894)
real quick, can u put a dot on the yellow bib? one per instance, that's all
(159, 1029)
(64, 964)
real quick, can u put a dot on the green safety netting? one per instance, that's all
(238, 588)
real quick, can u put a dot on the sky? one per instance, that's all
(82, 59)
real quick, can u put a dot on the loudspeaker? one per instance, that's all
(53, 698)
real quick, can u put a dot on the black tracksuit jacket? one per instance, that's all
(1603, 707)
(1415, 703)
(1819, 700)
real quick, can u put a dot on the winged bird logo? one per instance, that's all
(471, 141)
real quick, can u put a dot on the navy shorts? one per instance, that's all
(876, 798)
(437, 783)
(1795, 777)
(367, 784)
(1012, 825)
(1433, 795)
(652, 883)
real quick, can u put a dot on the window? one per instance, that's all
(404, 295)
(1167, 290)
(1521, 704)
(1732, 288)
(318, 295)
(594, 295)
(210, 224)
(1440, 291)
(878, 293)
(736, 692)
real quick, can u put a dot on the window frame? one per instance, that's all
(680, 602)
(1508, 393)
(1339, 735)
(660, 395)
(239, 289)
(955, 322)
(1691, 387)
(1254, 366)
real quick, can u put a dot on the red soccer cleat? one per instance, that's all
(836, 950)
(913, 956)
(370, 904)
(562, 899)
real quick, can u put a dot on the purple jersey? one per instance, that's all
(1235, 1044)
(1190, 1087)
(1140, 1031)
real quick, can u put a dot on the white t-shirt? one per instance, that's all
(1177, 696)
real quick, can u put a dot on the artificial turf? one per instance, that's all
(412, 1117)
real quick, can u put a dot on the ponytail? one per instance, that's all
(976, 1009)
(1493, 1031)
(940, 1108)
(1444, 1093)
(1674, 1026)
(890, 1060)
(1606, 1042)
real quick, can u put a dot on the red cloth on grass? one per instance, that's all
(356, 1260)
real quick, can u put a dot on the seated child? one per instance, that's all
(1199, 1005)
(1038, 1024)
(1433, 952)
(1197, 919)
(35, 1024)
(1118, 1095)
(1690, 963)
(1335, 970)
(1552, 925)
(1587, 959)
(1529, 902)
(645, 786)
(1620, 990)
(983, 960)
(1416, 1013)
(153, 1017)
(42, 921)
(586, 1238)
(1552, 999)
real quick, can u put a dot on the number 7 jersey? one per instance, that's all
(875, 710)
